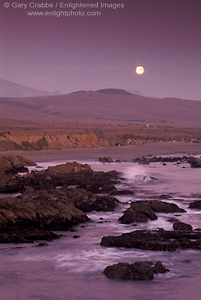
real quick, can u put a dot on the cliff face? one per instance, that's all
(40, 140)
(20, 135)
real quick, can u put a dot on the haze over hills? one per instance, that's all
(12, 89)
(109, 105)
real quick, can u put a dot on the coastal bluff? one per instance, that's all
(42, 135)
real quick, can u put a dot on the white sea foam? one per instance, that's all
(137, 174)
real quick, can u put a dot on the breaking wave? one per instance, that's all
(137, 174)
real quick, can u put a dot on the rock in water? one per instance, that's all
(10, 181)
(15, 234)
(88, 201)
(195, 162)
(106, 159)
(42, 206)
(141, 270)
(14, 164)
(72, 167)
(155, 240)
(73, 174)
(161, 206)
(182, 226)
(141, 211)
(40, 209)
(138, 214)
(160, 268)
(195, 204)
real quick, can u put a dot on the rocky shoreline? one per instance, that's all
(193, 161)
(47, 201)
(60, 197)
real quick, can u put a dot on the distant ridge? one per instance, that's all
(111, 105)
(114, 91)
(12, 89)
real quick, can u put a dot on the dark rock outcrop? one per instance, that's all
(147, 160)
(141, 270)
(88, 201)
(195, 204)
(68, 168)
(142, 211)
(156, 240)
(106, 159)
(10, 181)
(60, 175)
(33, 214)
(166, 207)
(73, 174)
(194, 162)
(14, 164)
(139, 211)
(182, 226)
(159, 268)
(99, 182)
(15, 234)
(141, 160)
(40, 209)
(42, 206)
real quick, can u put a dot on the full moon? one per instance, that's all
(139, 70)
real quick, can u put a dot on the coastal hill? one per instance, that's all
(109, 105)
(12, 89)
(92, 119)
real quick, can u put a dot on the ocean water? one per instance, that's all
(71, 268)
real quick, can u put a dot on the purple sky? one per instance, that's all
(88, 53)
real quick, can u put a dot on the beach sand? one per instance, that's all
(122, 153)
